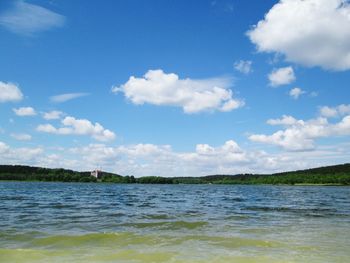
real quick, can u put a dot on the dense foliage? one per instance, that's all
(27, 173)
(332, 175)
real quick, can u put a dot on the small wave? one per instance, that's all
(292, 210)
(168, 225)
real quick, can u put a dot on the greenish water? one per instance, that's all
(63, 222)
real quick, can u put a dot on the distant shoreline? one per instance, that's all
(336, 175)
(237, 184)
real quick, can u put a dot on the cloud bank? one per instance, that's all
(300, 135)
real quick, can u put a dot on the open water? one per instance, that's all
(72, 222)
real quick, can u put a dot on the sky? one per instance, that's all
(175, 88)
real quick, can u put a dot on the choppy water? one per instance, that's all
(63, 222)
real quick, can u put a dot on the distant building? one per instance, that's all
(96, 173)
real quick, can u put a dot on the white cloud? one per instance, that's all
(159, 88)
(9, 92)
(25, 111)
(73, 126)
(328, 112)
(285, 120)
(243, 66)
(21, 136)
(331, 112)
(67, 96)
(300, 135)
(3, 147)
(20, 155)
(295, 93)
(27, 19)
(229, 158)
(281, 76)
(52, 115)
(343, 109)
(309, 32)
(162, 160)
(48, 128)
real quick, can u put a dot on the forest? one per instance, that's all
(329, 175)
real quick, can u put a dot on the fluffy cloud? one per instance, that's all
(66, 97)
(309, 32)
(3, 147)
(27, 19)
(73, 126)
(9, 92)
(331, 112)
(295, 93)
(285, 121)
(159, 88)
(25, 111)
(300, 135)
(21, 136)
(281, 76)
(52, 115)
(243, 66)
(162, 160)
(18, 155)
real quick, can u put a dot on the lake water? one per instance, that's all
(72, 222)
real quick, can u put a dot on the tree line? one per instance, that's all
(332, 175)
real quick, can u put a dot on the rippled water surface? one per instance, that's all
(63, 222)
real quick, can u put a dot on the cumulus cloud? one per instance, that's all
(300, 135)
(10, 92)
(328, 112)
(286, 120)
(295, 93)
(26, 19)
(37, 156)
(205, 159)
(331, 112)
(308, 32)
(159, 88)
(21, 136)
(162, 160)
(281, 76)
(52, 115)
(25, 111)
(243, 66)
(3, 147)
(73, 126)
(67, 97)
(21, 155)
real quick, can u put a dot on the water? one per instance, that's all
(64, 222)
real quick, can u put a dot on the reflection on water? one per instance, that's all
(63, 222)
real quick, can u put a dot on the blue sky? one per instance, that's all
(175, 88)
